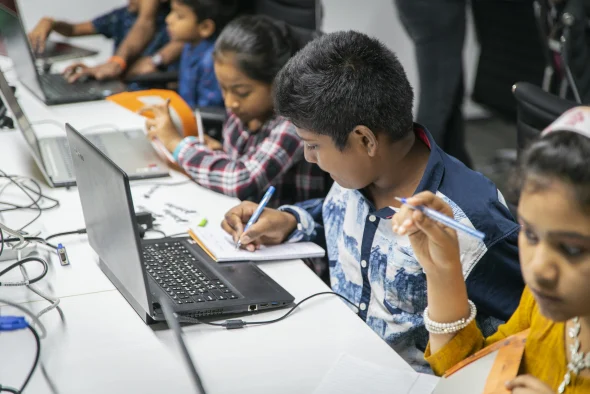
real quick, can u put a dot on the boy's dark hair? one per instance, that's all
(561, 155)
(219, 11)
(260, 44)
(345, 79)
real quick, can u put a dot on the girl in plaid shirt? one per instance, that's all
(259, 148)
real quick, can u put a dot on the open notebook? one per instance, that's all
(220, 247)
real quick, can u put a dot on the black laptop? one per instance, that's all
(52, 89)
(145, 270)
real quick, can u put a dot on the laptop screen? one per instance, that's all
(18, 49)
(108, 210)
(23, 124)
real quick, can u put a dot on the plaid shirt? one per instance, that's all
(251, 162)
(197, 83)
(117, 23)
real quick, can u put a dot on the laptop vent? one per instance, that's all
(211, 312)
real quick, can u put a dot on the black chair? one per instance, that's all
(536, 109)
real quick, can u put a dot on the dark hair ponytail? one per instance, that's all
(261, 45)
(561, 155)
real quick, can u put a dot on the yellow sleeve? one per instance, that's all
(470, 340)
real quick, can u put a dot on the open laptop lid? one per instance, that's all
(24, 125)
(18, 49)
(112, 229)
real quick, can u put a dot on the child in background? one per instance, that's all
(151, 46)
(259, 148)
(351, 102)
(196, 24)
(554, 243)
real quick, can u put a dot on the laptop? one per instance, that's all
(174, 268)
(55, 51)
(130, 149)
(52, 89)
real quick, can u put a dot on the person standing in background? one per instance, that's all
(437, 29)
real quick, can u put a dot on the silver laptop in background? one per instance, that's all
(129, 149)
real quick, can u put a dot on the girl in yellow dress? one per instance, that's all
(554, 247)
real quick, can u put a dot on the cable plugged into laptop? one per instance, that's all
(239, 323)
(145, 222)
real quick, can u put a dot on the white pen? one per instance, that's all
(444, 219)
(200, 126)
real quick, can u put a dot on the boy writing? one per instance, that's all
(351, 103)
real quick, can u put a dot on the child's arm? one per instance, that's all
(39, 34)
(169, 54)
(141, 33)
(437, 250)
(246, 176)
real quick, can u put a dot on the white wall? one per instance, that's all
(375, 17)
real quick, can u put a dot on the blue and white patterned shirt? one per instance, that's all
(377, 269)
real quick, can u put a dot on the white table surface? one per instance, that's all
(106, 347)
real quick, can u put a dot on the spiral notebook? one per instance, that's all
(220, 247)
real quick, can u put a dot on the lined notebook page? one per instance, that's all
(221, 247)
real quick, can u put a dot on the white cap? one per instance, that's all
(576, 120)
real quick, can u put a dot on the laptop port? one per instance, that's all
(263, 305)
(253, 307)
(274, 303)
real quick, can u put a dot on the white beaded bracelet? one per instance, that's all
(449, 328)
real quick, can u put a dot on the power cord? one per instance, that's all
(25, 282)
(239, 323)
(80, 231)
(19, 182)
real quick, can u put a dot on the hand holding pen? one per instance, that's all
(265, 199)
(435, 244)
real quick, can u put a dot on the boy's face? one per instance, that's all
(554, 247)
(354, 166)
(247, 98)
(183, 24)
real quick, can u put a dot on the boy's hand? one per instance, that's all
(39, 34)
(161, 126)
(212, 143)
(110, 70)
(141, 66)
(527, 384)
(272, 227)
(435, 245)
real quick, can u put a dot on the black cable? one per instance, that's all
(21, 262)
(36, 362)
(80, 231)
(31, 239)
(156, 231)
(1, 242)
(8, 389)
(232, 324)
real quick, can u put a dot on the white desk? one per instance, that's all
(106, 347)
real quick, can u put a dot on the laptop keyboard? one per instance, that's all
(176, 270)
(56, 86)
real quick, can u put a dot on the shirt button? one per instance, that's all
(372, 218)
(363, 306)
(364, 263)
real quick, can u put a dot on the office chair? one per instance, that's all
(536, 109)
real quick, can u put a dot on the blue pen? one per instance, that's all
(258, 211)
(444, 219)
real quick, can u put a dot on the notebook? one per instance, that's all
(220, 247)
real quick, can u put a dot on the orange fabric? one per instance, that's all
(544, 352)
(132, 101)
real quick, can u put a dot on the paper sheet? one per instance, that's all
(350, 375)
(223, 248)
